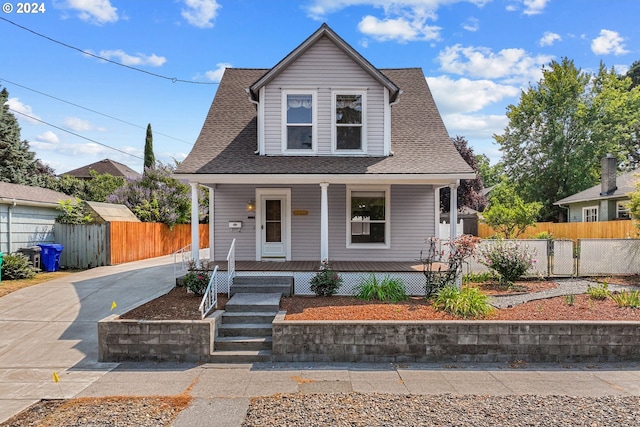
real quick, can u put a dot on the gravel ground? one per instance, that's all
(356, 409)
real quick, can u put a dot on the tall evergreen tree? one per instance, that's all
(18, 165)
(149, 157)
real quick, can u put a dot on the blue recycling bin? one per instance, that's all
(50, 256)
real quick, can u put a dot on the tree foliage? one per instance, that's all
(73, 212)
(507, 213)
(470, 190)
(149, 157)
(95, 189)
(634, 74)
(562, 127)
(156, 197)
(18, 165)
(490, 174)
(634, 202)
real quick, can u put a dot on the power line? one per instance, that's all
(75, 134)
(93, 111)
(84, 52)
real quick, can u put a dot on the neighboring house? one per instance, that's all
(321, 157)
(604, 202)
(104, 166)
(27, 215)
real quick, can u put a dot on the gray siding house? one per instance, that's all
(323, 157)
(27, 215)
(604, 202)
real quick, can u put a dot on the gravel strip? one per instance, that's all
(375, 409)
(565, 287)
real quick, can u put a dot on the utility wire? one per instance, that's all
(94, 111)
(84, 52)
(75, 134)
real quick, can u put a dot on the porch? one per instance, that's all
(312, 266)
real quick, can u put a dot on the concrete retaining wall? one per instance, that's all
(454, 341)
(156, 340)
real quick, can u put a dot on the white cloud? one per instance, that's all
(549, 38)
(97, 11)
(48, 136)
(471, 24)
(621, 68)
(80, 125)
(216, 75)
(465, 96)
(510, 65)
(534, 7)
(17, 106)
(319, 9)
(399, 29)
(200, 13)
(138, 59)
(608, 42)
(475, 126)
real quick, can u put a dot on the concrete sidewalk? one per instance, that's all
(52, 327)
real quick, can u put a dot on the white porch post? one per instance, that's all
(324, 222)
(195, 235)
(212, 222)
(453, 211)
(436, 196)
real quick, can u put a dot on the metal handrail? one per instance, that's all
(231, 265)
(185, 257)
(210, 297)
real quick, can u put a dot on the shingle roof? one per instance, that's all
(228, 139)
(624, 182)
(26, 193)
(105, 166)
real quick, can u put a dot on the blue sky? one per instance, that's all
(477, 55)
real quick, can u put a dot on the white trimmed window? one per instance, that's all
(622, 210)
(299, 118)
(590, 214)
(349, 129)
(368, 217)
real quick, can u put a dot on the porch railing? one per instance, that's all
(181, 259)
(210, 298)
(231, 265)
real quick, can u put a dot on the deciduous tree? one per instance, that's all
(470, 190)
(507, 213)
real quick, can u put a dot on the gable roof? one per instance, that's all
(105, 166)
(325, 31)
(28, 195)
(624, 182)
(419, 140)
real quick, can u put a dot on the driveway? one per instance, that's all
(52, 327)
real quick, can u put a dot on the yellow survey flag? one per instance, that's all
(56, 378)
(113, 305)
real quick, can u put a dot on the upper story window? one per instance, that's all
(349, 121)
(299, 110)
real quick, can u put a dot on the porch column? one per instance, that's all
(324, 222)
(212, 222)
(195, 235)
(453, 211)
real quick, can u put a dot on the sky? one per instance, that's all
(85, 77)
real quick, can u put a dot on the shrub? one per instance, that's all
(509, 259)
(570, 299)
(599, 292)
(544, 235)
(389, 289)
(465, 302)
(326, 282)
(197, 281)
(627, 299)
(486, 276)
(460, 249)
(16, 266)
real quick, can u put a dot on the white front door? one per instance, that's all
(273, 221)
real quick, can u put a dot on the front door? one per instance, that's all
(273, 224)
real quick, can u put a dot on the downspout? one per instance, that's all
(257, 104)
(9, 215)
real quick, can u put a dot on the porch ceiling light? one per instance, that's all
(251, 206)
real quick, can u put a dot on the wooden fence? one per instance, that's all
(94, 245)
(574, 230)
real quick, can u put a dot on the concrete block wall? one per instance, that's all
(162, 341)
(454, 341)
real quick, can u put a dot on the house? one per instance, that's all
(27, 215)
(323, 157)
(104, 166)
(604, 202)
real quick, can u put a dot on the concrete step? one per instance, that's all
(245, 329)
(243, 343)
(285, 290)
(253, 302)
(249, 356)
(248, 317)
(262, 284)
(263, 280)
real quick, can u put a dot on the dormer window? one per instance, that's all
(349, 121)
(299, 111)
